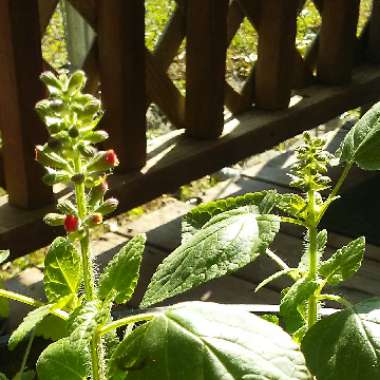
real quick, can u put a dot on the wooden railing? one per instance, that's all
(340, 71)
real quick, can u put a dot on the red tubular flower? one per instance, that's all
(71, 223)
(111, 158)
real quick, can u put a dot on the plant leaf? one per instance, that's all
(4, 254)
(344, 262)
(197, 341)
(293, 302)
(52, 328)
(65, 359)
(194, 220)
(229, 241)
(4, 303)
(26, 375)
(31, 320)
(119, 279)
(346, 345)
(292, 204)
(3, 377)
(83, 321)
(62, 270)
(362, 144)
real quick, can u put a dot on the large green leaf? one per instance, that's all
(4, 254)
(195, 219)
(362, 143)
(119, 278)
(199, 341)
(344, 262)
(229, 241)
(346, 345)
(292, 304)
(28, 324)
(62, 270)
(65, 359)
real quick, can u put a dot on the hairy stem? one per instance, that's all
(125, 321)
(312, 310)
(26, 355)
(88, 271)
(334, 192)
(31, 302)
(281, 263)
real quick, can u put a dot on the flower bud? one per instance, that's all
(53, 177)
(76, 82)
(54, 144)
(73, 132)
(66, 207)
(53, 219)
(96, 137)
(71, 223)
(95, 219)
(104, 160)
(49, 159)
(108, 206)
(52, 82)
(97, 193)
(87, 150)
(78, 178)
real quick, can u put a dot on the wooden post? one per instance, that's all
(337, 41)
(373, 49)
(277, 31)
(20, 89)
(206, 67)
(120, 27)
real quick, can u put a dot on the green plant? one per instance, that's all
(192, 340)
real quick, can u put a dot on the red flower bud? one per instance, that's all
(71, 223)
(111, 158)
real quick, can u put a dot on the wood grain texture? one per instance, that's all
(337, 41)
(20, 90)
(277, 30)
(121, 28)
(205, 67)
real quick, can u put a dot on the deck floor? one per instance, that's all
(163, 227)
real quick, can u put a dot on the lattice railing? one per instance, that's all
(131, 76)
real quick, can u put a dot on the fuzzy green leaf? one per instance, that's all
(362, 144)
(4, 254)
(293, 302)
(344, 262)
(28, 324)
(229, 241)
(52, 328)
(65, 359)
(194, 220)
(292, 204)
(346, 345)
(119, 278)
(83, 321)
(197, 341)
(62, 270)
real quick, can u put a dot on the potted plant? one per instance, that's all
(193, 340)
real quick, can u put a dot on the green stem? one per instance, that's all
(88, 271)
(334, 192)
(125, 321)
(26, 355)
(312, 314)
(282, 264)
(31, 302)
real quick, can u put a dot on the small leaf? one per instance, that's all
(62, 270)
(198, 341)
(346, 345)
(119, 278)
(26, 375)
(344, 262)
(65, 359)
(362, 144)
(292, 204)
(52, 328)
(229, 241)
(28, 324)
(293, 302)
(83, 321)
(199, 216)
(4, 254)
